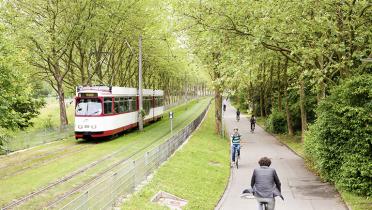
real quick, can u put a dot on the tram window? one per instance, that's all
(147, 104)
(134, 104)
(126, 105)
(117, 105)
(121, 105)
(107, 106)
(129, 104)
(88, 106)
(160, 101)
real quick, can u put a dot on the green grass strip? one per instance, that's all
(197, 173)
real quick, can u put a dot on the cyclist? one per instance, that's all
(237, 115)
(235, 145)
(265, 184)
(253, 123)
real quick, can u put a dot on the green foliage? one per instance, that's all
(3, 140)
(339, 143)
(276, 122)
(17, 105)
(48, 123)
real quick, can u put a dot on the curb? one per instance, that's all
(227, 187)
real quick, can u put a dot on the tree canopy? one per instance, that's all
(292, 61)
(71, 43)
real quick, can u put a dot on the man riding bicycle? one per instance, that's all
(253, 123)
(235, 145)
(265, 184)
(237, 115)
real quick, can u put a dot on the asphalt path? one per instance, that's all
(302, 190)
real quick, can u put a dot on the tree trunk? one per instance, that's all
(287, 111)
(279, 89)
(302, 107)
(218, 110)
(261, 103)
(62, 107)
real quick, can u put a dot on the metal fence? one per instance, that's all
(121, 181)
(27, 139)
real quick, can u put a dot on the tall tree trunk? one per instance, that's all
(218, 110)
(302, 108)
(270, 92)
(217, 93)
(261, 103)
(287, 111)
(279, 88)
(62, 107)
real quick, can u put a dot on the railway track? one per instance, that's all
(74, 174)
(101, 174)
(42, 163)
(3, 167)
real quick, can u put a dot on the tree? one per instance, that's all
(18, 106)
(91, 42)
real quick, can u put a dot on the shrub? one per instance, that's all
(48, 123)
(276, 122)
(339, 142)
(4, 137)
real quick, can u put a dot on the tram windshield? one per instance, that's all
(88, 106)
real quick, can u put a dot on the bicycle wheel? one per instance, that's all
(236, 159)
(264, 206)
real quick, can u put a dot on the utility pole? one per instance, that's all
(140, 117)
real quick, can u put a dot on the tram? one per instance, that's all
(102, 111)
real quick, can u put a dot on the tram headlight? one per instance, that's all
(80, 126)
(93, 126)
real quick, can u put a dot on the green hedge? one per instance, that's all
(339, 142)
(276, 122)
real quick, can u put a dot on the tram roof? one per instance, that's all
(106, 91)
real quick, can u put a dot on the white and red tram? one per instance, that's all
(104, 111)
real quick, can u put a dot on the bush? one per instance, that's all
(4, 137)
(339, 143)
(276, 122)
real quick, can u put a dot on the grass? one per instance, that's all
(45, 127)
(355, 202)
(17, 185)
(198, 172)
(49, 115)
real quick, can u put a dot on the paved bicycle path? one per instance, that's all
(302, 190)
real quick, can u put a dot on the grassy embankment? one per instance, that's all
(48, 163)
(355, 202)
(198, 172)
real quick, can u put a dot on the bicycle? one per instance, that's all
(237, 156)
(248, 195)
(237, 118)
(253, 126)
